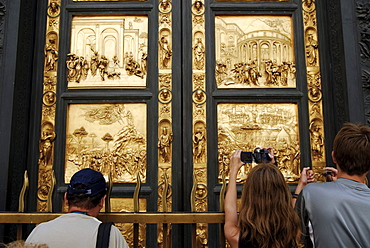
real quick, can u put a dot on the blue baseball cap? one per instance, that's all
(93, 180)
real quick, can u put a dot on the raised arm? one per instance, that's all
(307, 176)
(231, 228)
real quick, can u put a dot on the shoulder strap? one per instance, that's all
(102, 240)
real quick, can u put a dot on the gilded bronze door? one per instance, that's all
(157, 95)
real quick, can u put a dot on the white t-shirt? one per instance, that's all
(73, 230)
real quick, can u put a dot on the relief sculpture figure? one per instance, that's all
(202, 238)
(51, 54)
(94, 63)
(71, 66)
(103, 65)
(199, 140)
(164, 145)
(312, 50)
(317, 141)
(166, 52)
(199, 54)
(46, 144)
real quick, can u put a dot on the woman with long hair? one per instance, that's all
(267, 218)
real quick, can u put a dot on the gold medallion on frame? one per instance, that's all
(254, 52)
(108, 52)
(248, 126)
(107, 138)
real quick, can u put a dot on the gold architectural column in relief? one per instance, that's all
(165, 134)
(315, 106)
(47, 137)
(200, 192)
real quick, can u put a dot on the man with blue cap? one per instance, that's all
(85, 198)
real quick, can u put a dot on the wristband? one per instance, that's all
(295, 196)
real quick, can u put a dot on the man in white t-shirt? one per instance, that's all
(85, 198)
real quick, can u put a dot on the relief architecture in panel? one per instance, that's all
(254, 52)
(108, 51)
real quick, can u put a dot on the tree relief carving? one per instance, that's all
(107, 138)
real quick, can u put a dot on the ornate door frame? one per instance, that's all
(183, 46)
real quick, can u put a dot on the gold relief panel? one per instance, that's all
(247, 126)
(110, 138)
(124, 205)
(255, 52)
(108, 51)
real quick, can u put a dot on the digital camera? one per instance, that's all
(258, 156)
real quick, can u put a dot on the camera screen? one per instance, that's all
(246, 157)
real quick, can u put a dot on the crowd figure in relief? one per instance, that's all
(79, 67)
(250, 74)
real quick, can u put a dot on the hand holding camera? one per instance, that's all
(259, 155)
(330, 173)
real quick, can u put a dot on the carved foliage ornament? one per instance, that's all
(2, 18)
(363, 16)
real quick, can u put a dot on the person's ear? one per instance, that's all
(65, 199)
(333, 157)
(102, 201)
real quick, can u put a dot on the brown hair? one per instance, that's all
(84, 201)
(352, 149)
(266, 215)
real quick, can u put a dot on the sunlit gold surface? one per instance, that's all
(51, 191)
(22, 194)
(47, 134)
(124, 205)
(222, 191)
(199, 194)
(315, 105)
(254, 51)
(247, 126)
(108, 51)
(107, 138)
(165, 134)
